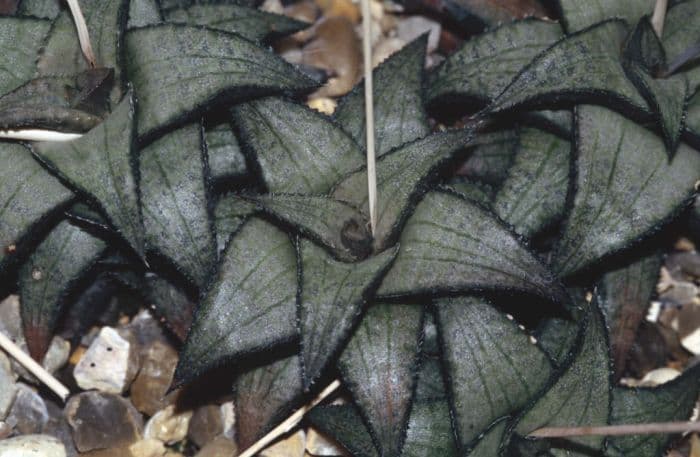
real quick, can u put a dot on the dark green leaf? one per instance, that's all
(101, 165)
(174, 194)
(624, 296)
(170, 303)
(680, 35)
(143, 13)
(250, 23)
(669, 402)
(581, 395)
(47, 9)
(62, 56)
(20, 40)
(693, 115)
(398, 101)
(344, 424)
(472, 190)
(264, 396)
(401, 178)
(299, 150)
(493, 367)
(333, 223)
(626, 187)
(45, 103)
(28, 196)
(333, 295)
(582, 66)
(556, 337)
(177, 70)
(230, 213)
(429, 431)
(53, 268)
(250, 305)
(485, 64)
(490, 442)
(225, 156)
(453, 245)
(87, 216)
(578, 15)
(431, 385)
(534, 194)
(491, 157)
(379, 365)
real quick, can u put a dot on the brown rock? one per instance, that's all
(291, 446)
(148, 448)
(207, 422)
(168, 426)
(340, 8)
(151, 384)
(100, 420)
(219, 447)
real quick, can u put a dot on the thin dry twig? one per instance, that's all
(83, 34)
(38, 135)
(34, 368)
(659, 16)
(290, 422)
(369, 115)
(617, 430)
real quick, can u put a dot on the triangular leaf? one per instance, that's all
(378, 366)
(250, 23)
(398, 103)
(669, 402)
(298, 149)
(579, 15)
(581, 395)
(264, 396)
(453, 245)
(693, 115)
(230, 213)
(493, 368)
(47, 9)
(624, 295)
(62, 56)
(680, 38)
(344, 424)
(472, 190)
(101, 165)
(490, 442)
(174, 193)
(401, 178)
(485, 64)
(225, 156)
(250, 304)
(534, 194)
(556, 337)
(582, 66)
(53, 268)
(491, 157)
(332, 298)
(143, 13)
(335, 224)
(626, 187)
(29, 195)
(178, 70)
(20, 40)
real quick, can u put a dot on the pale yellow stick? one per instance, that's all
(616, 430)
(38, 135)
(33, 367)
(369, 115)
(290, 422)
(83, 34)
(659, 16)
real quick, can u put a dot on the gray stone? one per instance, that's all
(101, 420)
(146, 330)
(412, 27)
(680, 293)
(29, 413)
(32, 446)
(8, 389)
(57, 426)
(207, 422)
(110, 363)
(168, 425)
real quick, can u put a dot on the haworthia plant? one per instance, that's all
(561, 154)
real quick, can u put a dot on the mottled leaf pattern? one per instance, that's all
(178, 70)
(490, 443)
(429, 431)
(472, 190)
(378, 367)
(170, 303)
(225, 156)
(230, 213)
(20, 40)
(494, 369)
(47, 9)
(250, 304)
(579, 15)
(344, 424)
(401, 178)
(101, 165)
(453, 245)
(556, 336)
(626, 187)
(298, 149)
(333, 295)
(143, 13)
(398, 103)
(174, 193)
(491, 157)
(534, 194)
(53, 268)
(679, 38)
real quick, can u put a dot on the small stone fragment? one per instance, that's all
(412, 27)
(207, 422)
(32, 446)
(272, 6)
(148, 390)
(8, 389)
(692, 342)
(5, 430)
(110, 363)
(228, 412)
(168, 426)
(323, 105)
(147, 448)
(218, 447)
(100, 420)
(680, 293)
(292, 446)
(340, 8)
(385, 49)
(145, 329)
(29, 413)
(659, 376)
(320, 446)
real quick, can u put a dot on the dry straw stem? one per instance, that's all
(290, 422)
(38, 135)
(618, 430)
(33, 367)
(83, 34)
(369, 115)
(659, 16)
